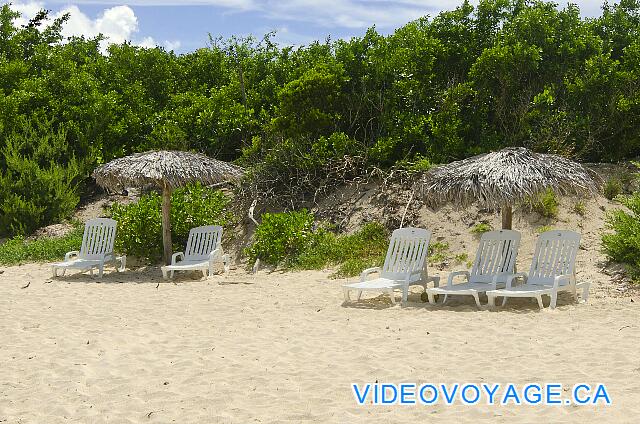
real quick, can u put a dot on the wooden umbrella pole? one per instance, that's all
(166, 223)
(506, 217)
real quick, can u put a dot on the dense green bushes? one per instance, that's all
(38, 178)
(623, 244)
(140, 223)
(282, 236)
(290, 240)
(469, 80)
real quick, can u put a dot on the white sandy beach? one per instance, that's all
(281, 348)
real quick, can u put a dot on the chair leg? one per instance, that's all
(432, 298)
(405, 294)
(585, 292)
(100, 270)
(54, 271)
(164, 273)
(123, 263)
(392, 296)
(491, 301)
(171, 274)
(540, 304)
(504, 300)
(346, 294)
(446, 296)
(226, 260)
(477, 299)
(359, 295)
(554, 300)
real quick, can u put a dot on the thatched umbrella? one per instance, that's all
(166, 170)
(498, 180)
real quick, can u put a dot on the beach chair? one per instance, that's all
(204, 248)
(405, 265)
(495, 261)
(96, 251)
(552, 270)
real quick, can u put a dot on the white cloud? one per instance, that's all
(231, 4)
(117, 24)
(331, 13)
(172, 45)
(286, 37)
(27, 10)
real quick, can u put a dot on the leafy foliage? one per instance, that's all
(547, 204)
(467, 81)
(481, 228)
(612, 188)
(580, 209)
(281, 236)
(38, 180)
(290, 240)
(140, 224)
(623, 244)
(18, 250)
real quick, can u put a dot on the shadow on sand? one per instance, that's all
(459, 303)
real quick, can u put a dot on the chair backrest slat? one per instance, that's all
(98, 238)
(555, 254)
(407, 252)
(202, 241)
(496, 255)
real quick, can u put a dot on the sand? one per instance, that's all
(282, 348)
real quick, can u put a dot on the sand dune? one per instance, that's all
(281, 348)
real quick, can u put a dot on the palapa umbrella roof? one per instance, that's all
(506, 177)
(170, 168)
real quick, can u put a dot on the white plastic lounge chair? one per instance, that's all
(552, 270)
(405, 265)
(97, 249)
(495, 261)
(204, 248)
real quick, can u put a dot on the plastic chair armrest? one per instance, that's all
(366, 272)
(455, 274)
(175, 256)
(71, 254)
(512, 277)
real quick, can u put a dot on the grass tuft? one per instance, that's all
(17, 250)
(481, 228)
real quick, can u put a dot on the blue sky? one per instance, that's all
(184, 25)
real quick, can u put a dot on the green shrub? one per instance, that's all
(38, 179)
(544, 229)
(612, 188)
(418, 164)
(281, 236)
(580, 209)
(140, 224)
(355, 252)
(18, 250)
(289, 240)
(623, 244)
(547, 204)
(292, 169)
(438, 252)
(481, 228)
(461, 257)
